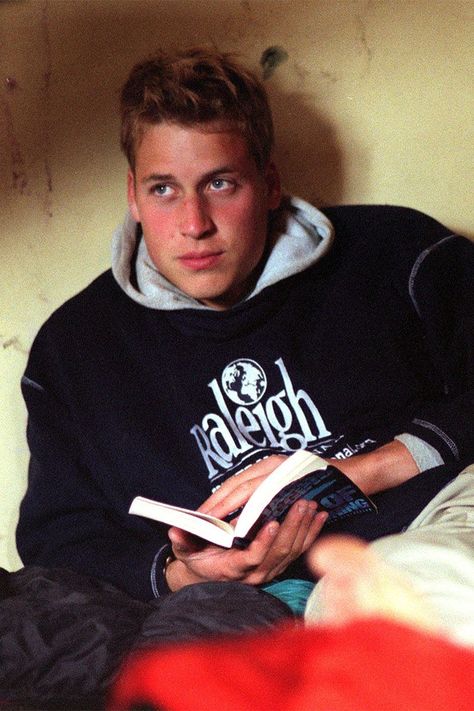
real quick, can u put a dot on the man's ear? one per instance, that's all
(131, 195)
(272, 178)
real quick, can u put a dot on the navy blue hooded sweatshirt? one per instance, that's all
(363, 333)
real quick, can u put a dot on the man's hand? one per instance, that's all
(268, 555)
(276, 546)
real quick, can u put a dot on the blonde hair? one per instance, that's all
(191, 87)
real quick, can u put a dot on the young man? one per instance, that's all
(237, 324)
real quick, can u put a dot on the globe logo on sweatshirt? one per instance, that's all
(244, 382)
(252, 413)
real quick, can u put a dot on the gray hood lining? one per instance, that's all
(300, 235)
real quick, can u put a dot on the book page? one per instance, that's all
(200, 524)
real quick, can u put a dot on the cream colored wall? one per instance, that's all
(374, 104)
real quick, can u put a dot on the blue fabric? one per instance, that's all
(294, 592)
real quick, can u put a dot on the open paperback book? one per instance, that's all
(303, 475)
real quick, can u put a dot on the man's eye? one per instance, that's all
(162, 190)
(220, 184)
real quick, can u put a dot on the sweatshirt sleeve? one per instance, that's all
(441, 290)
(67, 519)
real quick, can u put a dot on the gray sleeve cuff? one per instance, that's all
(425, 456)
(159, 585)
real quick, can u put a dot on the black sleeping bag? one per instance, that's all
(64, 636)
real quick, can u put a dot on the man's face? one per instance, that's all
(203, 205)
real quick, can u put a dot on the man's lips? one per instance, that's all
(200, 260)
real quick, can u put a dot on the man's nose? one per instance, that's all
(195, 220)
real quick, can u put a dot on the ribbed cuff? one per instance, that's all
(425, 456)
(157, 574)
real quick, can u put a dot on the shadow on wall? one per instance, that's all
(64, 109)
(307, 150)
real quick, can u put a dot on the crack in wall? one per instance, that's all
(360, 21)
(14, 343)
(19, 176)
(47, 108)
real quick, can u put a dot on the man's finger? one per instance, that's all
(185, 543)
(259, 471)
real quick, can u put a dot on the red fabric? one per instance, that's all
(365, 666)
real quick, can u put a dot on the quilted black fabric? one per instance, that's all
(63, 636)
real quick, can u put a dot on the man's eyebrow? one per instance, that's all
(221, 169)
(158, 178)
(165, 177)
